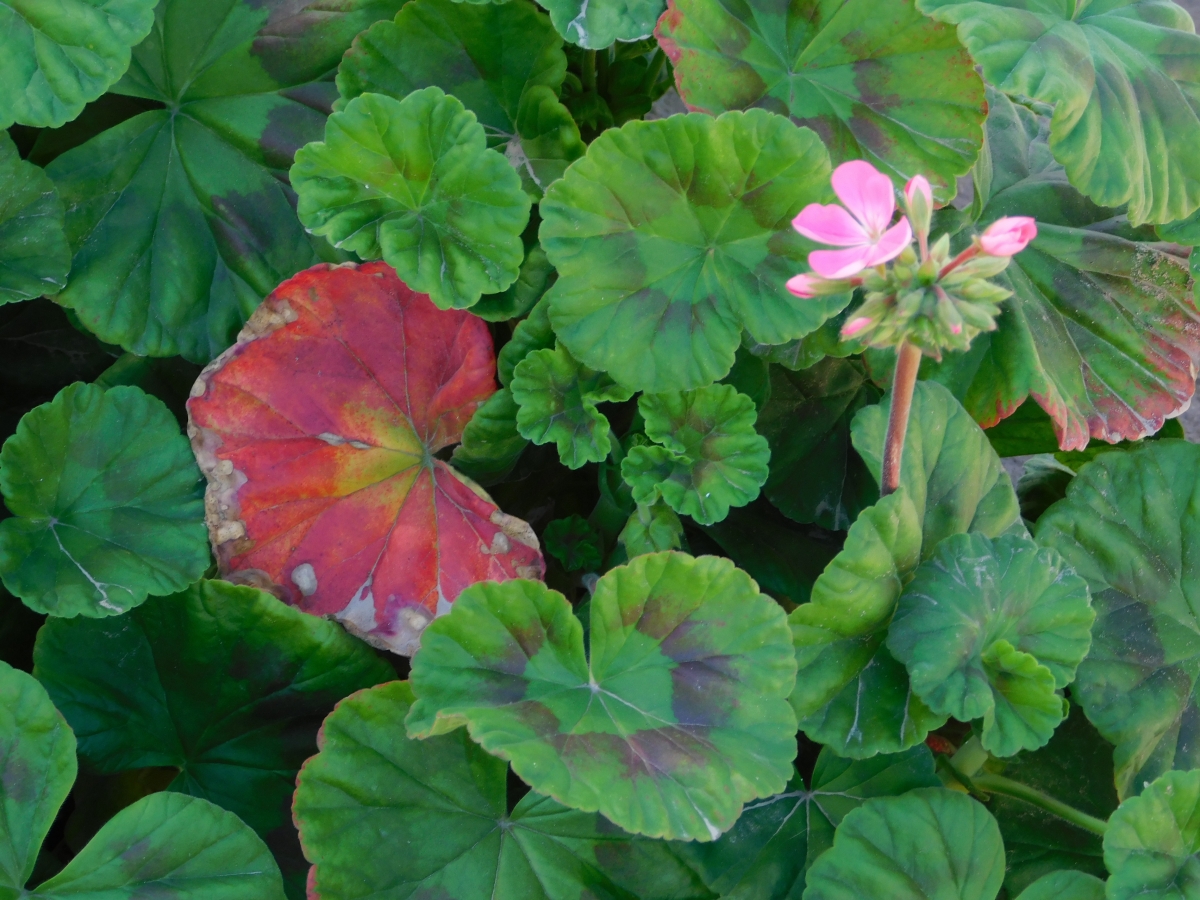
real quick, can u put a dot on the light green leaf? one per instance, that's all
(1065, 885)
(675, 718)
(1152, 844)
(672, 237)
(491, 444)
(412, 181)
(595, 24)
(107, 504)
(651, 529)
(520, 297)
(34, 255)
(710, 457)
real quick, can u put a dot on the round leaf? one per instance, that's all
(224, 683)
(930, 844)
(379, 812)
(984, 626)
(881, 83)
(106, 504)
(1129, 525)
(34, 256)
(672, 237)
(56, 57)
(558, 398)
(711, 457)
(674, 719)
(412, 181)
(1065, 885)
(1121, 76)
(317, 432)
(1152, 844)
(595, 24)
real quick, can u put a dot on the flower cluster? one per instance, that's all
(925, 296)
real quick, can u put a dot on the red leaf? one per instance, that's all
(316, 432)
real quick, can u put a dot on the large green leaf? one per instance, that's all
(879, 82)
(595, 24)
(930, 844)
(412, 181)
(34, 256)
(1122, 75)
(225, 683)
(991, 630)
(55, 57)
(850, 693)
(766, 854)
(503, 61)
(1102, 329)
(815, 474)
(107, 502)
(672, 237)
(1129, 525)
(180, 219)
(953, 476)
(1152, 844)
(381, 814)
(674, 719)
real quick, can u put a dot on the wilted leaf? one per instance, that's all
(34, 256)
(671, 237)
(317, 432)
(674, 719)
(106, 504)
(879, 82)
(1152, 844)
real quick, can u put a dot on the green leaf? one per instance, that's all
(107, 504)
(520, 297)
(651, 529)
(34, 256)
(55, 58)
(1152, 844)
(504, 62)
(710, 457)
(671, 237)
(815, 474)
(674, 719)
(1129, 527)
(885, 84)
(1065, 885)
(558, 398)
(532, 333)
(224, 683)
(180, 219)
(991, 629)
(953, 476)
(595, 26)
(766, 854)
(850, 693)
(491, 444)
(438, 824)
(1043, 483)
(930, 844)
(412, 181)
(574, 543)
(1121, 76)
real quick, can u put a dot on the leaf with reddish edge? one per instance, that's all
(316, 432)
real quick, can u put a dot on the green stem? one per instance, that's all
(908, 361)
(656, 66)
(589, 72)
(998, 784)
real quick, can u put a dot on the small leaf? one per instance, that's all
(412, 181)
(595, 24)
(574, 543)
(520, 297)
(929, 843)
(651, 529)
(558, 398)
(532, 333)
(1065, 885)
(674, 719)
(710, 457)
(491, 445)
(106, 500)
(1152, 844)
(672, 237)
(990, 629)
(883, 84)
(34, 255)
(317, 432)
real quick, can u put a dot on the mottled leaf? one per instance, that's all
(671, 237)
(674, 719)
(106, 504)
(877, 82)
(595, 24)
(34, 256)
(1065, 885)
(491, 444)
(1152, 845)
(317, 432)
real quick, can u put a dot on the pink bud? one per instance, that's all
(915, 184)
(1008, 236)
(804, 286)
(854, 326)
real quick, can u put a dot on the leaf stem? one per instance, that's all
(908, 361)
(589, 72)
(656, 67)
(998, 784)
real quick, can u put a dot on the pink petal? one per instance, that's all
(1008, 236)
(802, 286)
(854, 326)
(919, 183)
(829, 225)
(867, 193)
(839, 263)
(891, 245)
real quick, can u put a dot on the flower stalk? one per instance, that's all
(908, 363)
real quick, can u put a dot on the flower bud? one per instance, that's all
(919, 199)
(1008, 236)
(809, 286)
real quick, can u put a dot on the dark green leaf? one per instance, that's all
(594, 24)
(34, 256)
(574, 543)
(1065, 885)
(491, 444)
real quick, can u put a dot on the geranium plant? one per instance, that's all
(490, 451)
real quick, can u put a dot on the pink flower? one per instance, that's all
(1008, 236)
(921, 184)
(854, 326)
(804, 286)
(871, 201)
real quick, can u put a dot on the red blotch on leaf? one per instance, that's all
(316, 432)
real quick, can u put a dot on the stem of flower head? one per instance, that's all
(908, 362)
(998, 784)
(970, 253)
(589, 71)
